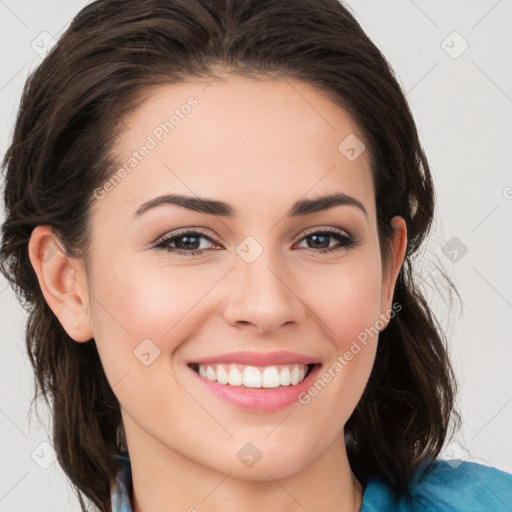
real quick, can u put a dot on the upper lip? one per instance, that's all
(258, 358)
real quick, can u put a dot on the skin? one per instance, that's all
(259, 146)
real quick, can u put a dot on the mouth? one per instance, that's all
(254, 377)
(256, 389)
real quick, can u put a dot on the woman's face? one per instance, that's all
(259, 283)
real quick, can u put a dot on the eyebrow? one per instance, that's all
(222, 209)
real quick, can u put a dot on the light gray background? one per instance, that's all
(462, 105)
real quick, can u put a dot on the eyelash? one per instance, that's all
(346, 242)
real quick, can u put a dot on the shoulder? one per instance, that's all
(453, 485)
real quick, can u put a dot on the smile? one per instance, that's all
(255, 389)
(252, 376)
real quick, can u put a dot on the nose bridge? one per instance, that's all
(262, 293)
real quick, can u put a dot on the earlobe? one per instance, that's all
(62, 282)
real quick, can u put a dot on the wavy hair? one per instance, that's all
(70, 114)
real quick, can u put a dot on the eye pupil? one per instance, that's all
(315, 239)
(187, 241)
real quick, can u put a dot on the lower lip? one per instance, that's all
(260, 399)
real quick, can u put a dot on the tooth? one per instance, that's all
(284, 377)
(210, 373)
(271, 377)
(294, 376)
(252, 377)
(235, 376)
(222, 375)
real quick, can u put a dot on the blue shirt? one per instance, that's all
(451, 486)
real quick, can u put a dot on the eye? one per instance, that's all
(187, 243)
(321, 238)
(194, 243)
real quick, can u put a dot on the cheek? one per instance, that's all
(133, 305)
(346, 298)
(140, 319)
(346, 301)
(162, 302)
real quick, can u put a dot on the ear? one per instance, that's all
(63, 282)
(392, 269)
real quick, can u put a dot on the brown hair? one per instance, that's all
(70, 115)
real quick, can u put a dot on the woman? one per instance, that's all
(211, 211)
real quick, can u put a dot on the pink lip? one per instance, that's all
(258, 358)
(260, 399)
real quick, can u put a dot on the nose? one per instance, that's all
(262, 297)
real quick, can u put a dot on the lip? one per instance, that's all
(258, 399)
(257, 358)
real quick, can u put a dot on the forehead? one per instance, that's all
(240, 139)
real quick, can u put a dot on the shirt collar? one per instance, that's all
(121, 489)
